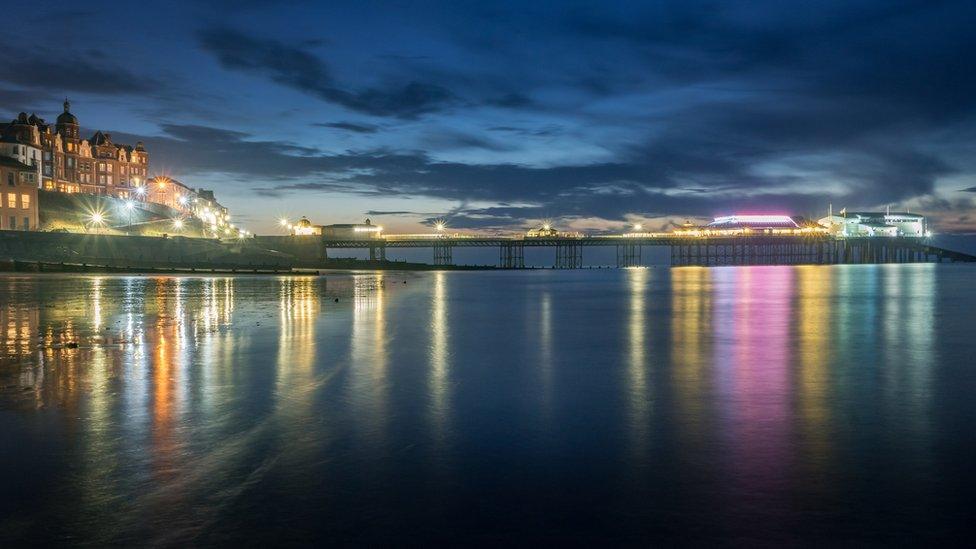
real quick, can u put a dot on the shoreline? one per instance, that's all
(31, 266)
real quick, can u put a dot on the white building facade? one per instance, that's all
(861, 224)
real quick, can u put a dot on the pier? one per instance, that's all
(704, 251)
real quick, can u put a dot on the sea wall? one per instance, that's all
(305, 248)
(133, 251)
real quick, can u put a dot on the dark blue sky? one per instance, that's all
(496, 115)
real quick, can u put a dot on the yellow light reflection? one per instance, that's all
(369, 353)
(691, 314)
(637, 385)
(439, 340)
(812, 328)
(299, 307)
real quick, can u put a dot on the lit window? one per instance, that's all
(11, 200)
(25, 201)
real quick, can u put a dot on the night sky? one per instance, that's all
(495, 115)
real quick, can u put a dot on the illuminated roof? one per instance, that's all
(754, 222)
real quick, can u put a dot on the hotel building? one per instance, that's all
(69, 164)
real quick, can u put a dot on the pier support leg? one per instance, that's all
(377, 253)
(569, 255)
(628, 255)
(443, 253)
(511, 255)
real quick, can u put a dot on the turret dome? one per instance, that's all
(66, 117)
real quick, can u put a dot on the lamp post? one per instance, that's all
(129, 206)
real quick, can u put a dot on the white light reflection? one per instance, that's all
(369, 354)
(637, 385)
(439, 339)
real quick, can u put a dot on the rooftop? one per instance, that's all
(763, 221)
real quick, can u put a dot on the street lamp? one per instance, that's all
(96, 219)
(638, 227)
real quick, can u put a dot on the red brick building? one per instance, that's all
(71, 164)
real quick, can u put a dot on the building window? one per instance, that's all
(25, 201)
(10, 179)
(13, 223)
(26, 223)
(12, 201)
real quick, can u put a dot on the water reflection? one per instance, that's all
(758, 359)
(439, 358)
(181, 401)
(691, 346)
(637, 383)
(812, 327)
(371, 384)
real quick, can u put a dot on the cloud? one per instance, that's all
(441, 139)
(23, 100)
(39, 68)
(511, 100)
(393, 212)
(546, 131)
(651, 180)
(299, 69)
(685, 109)
(348, 126)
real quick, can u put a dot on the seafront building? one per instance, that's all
(844, 225)
(345, 231)
(64, 162)
(854, 224)
(18, 195)
(751, 224)
(71, 164)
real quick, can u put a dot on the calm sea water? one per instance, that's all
(738, 404)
